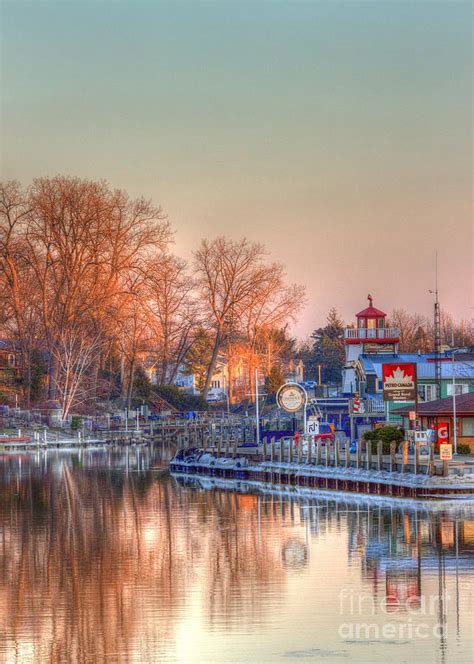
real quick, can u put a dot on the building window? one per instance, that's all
(461, 388)
(468, 426)
(216, 384)
(427, 392)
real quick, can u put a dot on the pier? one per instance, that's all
(331, 467)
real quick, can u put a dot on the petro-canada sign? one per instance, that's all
(399, 381)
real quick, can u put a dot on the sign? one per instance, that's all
(445, 452)
(399, 381)
(291, 397)
(412, 415)
(312, 426)
(443, 432)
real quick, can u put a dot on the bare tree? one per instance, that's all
(174, 315)
(236, 286)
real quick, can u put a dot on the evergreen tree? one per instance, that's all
(328, 348)
(274, 380)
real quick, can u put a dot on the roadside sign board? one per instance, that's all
(399, 381)
(445, 452)
(312, 426)
(291, 397)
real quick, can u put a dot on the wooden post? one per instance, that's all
(359, 454)
(337, 453)
(309, 456)
(300, 450)
(431, 466)
(272, 449)
(348, 454)
(281, 450)
(290, 450)
(405, 456)
(368, 454)
(318, 453)
(234, 454)
(417, 458)
(327, 450)
(380, 455)
(264, 448)
(393, 457)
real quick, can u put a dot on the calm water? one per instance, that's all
(105, 559)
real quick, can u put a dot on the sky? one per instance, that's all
(337, 133)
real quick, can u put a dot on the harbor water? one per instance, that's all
(105, 557)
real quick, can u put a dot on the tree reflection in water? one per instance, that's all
(100, 563)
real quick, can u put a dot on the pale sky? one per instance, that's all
(339, 134)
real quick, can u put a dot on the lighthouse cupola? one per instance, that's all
(371, 333)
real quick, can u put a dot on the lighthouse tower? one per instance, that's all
(370, 335)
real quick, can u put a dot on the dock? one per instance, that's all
(332, 468)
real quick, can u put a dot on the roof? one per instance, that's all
(371, 312)
(464, 406)
(371, 363)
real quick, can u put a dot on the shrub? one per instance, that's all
(180, 400)
(387, 434)
(76, 422)
(463, 448)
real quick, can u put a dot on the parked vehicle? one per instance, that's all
(215, 396)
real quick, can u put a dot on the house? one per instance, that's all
(439, 415)
(10, 371)
(368, 371)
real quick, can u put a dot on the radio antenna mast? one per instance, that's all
(437, 332)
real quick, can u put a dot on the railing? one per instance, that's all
(371, 333)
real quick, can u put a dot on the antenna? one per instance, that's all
(437, 331)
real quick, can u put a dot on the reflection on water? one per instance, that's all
(103, 558)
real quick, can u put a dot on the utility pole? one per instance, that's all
(257, 413)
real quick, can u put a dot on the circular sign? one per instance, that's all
(291, 397)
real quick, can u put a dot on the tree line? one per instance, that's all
(91, 293)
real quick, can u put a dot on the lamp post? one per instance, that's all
(257, 412)
(455, 424)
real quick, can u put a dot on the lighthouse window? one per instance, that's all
(371, 323)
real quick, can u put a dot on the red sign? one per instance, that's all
(443, 432)
(399, 381)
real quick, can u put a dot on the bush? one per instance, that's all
(76, 422)
(386, 434)
(180, 400)
(463, 448)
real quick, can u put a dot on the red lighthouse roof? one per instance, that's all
(371, 311)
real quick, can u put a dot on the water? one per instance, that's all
(103, 558)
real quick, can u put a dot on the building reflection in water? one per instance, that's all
(103, 558)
